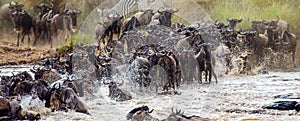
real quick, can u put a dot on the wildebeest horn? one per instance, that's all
(176, 10)
(159, 10)
(77, 11)
(104, 82)
(150, 111)
(21, 5)
(277, 18)
(227, 19)
(216, 20)
(252, 32)
(34, 67)
(240, 20)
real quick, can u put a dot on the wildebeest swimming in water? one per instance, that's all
(151, 55)
(141, 114)
(11, 110)
(116, 93)
(64, 98)
(179, 116)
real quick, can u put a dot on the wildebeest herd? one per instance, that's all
(53, 80)
(45, 25)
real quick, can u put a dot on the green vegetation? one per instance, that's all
(288, 10)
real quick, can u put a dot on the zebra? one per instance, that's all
(126, 7)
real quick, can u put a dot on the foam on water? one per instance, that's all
(206, 100)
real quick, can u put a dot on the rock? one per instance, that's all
(283, 105)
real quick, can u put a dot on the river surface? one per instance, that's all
(233, 98)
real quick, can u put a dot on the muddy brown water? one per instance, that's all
(233, 98)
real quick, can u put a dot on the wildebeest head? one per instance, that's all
(17, 18)
(232, 22)
(43, 8)
(39, 72)
(73, 15)
(41, 89)
(166, 16)
(15, 6)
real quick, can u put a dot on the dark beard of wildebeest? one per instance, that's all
(11, 110)
(66, 20)
(22, 25)
(39, 23)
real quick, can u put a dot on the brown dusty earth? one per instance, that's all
(11, 54)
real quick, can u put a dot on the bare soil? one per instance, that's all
(11, 54)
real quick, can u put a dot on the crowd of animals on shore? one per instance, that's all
(54, 82)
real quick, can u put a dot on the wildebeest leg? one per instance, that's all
(18, 44)
(79, 87)
(293, 58)
(28, 39)
(210, 73)
(23, 36)
(200, 76)
(36, 37)
(67, 35)
(214, 74)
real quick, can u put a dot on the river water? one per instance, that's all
(233, 98)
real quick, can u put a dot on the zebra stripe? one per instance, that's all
(126, 7)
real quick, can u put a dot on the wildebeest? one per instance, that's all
(206, 62)
(130, 24)
(65, 83)
(232, 22)
(280, 26)
(9, 8)
(179, 116)
(22, 25)
(11, 110)
(58, 5)
(110, 25)
(116, 93)
(152, 55)
(141, 114)
(64, 21)
(63, 98)
(164, 16)
(39, 22)
(290, 44)
(144, 17)
(47, 74)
